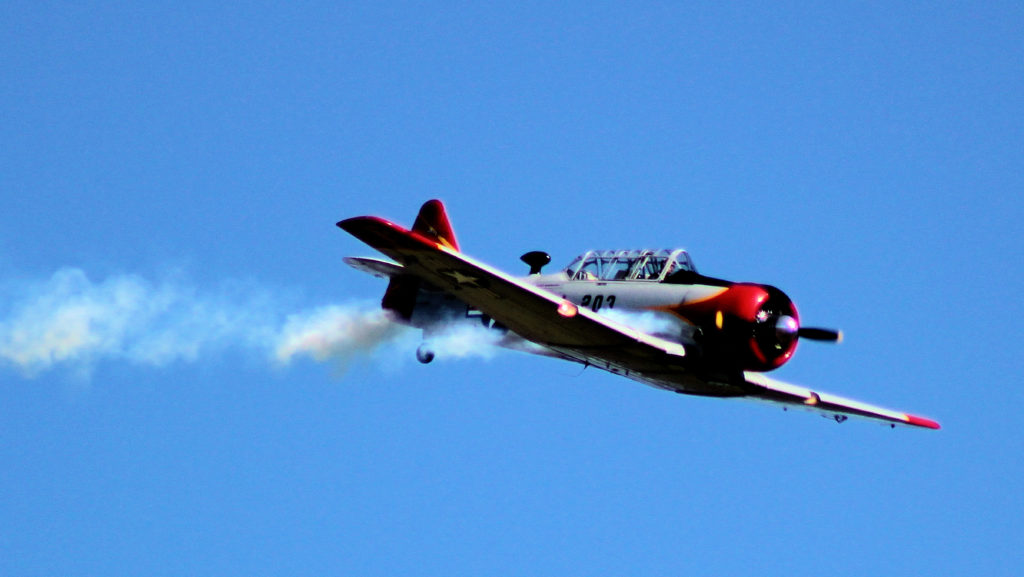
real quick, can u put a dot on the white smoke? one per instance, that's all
(72, 322)
(335, 333)
(462, 340)
(650, 322)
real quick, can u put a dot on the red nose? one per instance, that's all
(749, 326)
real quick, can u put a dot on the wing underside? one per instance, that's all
(577, 333)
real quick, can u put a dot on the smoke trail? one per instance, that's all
(335, 333)
(461, 340)
(70, 321)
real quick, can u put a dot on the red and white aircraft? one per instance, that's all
(643, 314)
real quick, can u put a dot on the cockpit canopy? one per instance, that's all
(612, 265)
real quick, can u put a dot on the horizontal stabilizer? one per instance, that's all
(375, 266)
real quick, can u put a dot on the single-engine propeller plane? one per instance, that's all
(643, 314)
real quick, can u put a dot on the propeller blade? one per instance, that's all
(816, 334)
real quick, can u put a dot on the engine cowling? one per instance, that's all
(748, 326)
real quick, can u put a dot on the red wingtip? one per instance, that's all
(922, 422)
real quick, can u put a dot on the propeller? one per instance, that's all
(818, 334)
(787, 327)
(774, 328)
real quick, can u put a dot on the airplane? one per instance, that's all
(643, 314)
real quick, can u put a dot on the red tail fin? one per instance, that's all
(432, 222)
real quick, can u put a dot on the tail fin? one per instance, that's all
(432, 222)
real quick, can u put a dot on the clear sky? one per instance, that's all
(171, 178)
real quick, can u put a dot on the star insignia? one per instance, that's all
(462, 278)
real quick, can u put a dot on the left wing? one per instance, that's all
(765, 388)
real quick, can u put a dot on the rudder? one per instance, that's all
(432, 222)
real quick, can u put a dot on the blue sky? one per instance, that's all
(171, 178)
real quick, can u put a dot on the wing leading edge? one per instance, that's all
(577, 333)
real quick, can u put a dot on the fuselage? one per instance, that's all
(727, 325)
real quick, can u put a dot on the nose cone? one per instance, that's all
(786, 328)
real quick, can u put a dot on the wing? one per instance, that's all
(764, 388)
(533, 313)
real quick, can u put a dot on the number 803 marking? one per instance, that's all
(595, 302)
